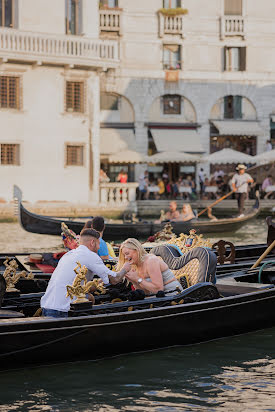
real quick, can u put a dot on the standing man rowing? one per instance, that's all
(240, 182)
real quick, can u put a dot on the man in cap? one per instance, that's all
(240, 182)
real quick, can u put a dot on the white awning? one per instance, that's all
(228, 156)
(116, 140)
(172, 157)
(182, 140)
(265, 157)
(126, 156)
(238, 127)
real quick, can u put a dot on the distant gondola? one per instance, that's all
(35, 223)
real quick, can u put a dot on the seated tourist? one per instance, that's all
(148, 272)
(97, 223)
(173, 213)
(54, 303)
(187, 213)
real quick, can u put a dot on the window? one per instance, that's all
(9, 92)
(235, 59)
(72, 20)
(75, 97)
(109, 102)
(171, 57)
(233, 107)
(233, 8)
(7, 13)
(10, 154)
(171, 104)
(171, 4)
(74, 155)
(109, 4)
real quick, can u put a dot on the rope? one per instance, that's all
(272, 262)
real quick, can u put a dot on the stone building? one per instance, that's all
(88, 82)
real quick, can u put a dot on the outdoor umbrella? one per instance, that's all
(228, 156)
(266, 157)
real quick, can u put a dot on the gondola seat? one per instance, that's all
(196, 266)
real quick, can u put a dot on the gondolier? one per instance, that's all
(240, 182)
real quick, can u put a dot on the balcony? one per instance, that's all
(117, 195)
(170, 25)
(110, 20)
(232, 26)
(16, 45)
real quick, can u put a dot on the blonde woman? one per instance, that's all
(187, 213)
(148, 272)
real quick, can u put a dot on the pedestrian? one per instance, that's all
(239, 183)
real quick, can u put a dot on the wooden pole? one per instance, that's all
(216, 202)
(266, 252)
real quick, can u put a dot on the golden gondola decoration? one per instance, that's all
(187, 242)
(81, 286)
(11, 277)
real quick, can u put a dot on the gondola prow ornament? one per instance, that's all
(11, 277)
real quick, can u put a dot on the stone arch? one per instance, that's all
(184, 110)
(116, 108)
(248, 109)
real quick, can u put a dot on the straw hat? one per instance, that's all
(240, 166)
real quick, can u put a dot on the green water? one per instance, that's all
(233, 374)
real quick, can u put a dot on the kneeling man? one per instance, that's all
(54, 303)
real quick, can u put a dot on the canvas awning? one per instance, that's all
(118, 146)
(172, 157)
(265, 157)
(126, 156)
(182, 140)
(228, 156)
(238, 127)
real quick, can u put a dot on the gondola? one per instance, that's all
(200, 313)
(35, 223)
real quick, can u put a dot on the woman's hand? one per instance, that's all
(133, 276)
(126, 267)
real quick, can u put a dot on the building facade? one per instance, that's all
(88, 82)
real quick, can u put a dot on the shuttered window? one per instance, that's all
(171, 104)
(171, 57)
(10, 154)
(171, 4)
(9, 92)
(74, 155)
(233, 107)
(234, 58)
(75, 97)
(7, 13)
(73, 16)
(233, 7)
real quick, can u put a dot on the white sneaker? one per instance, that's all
(241, 215)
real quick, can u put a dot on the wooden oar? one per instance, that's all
(216, 202)
(266, 252)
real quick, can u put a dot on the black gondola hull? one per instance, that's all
(34, 223)
(38, 341)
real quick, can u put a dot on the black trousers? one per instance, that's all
(241, 198)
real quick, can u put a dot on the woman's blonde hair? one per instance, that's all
(188, 207)
(133, 244)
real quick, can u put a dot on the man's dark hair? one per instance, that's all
(89, 233)
(88, 224)
(98, 223)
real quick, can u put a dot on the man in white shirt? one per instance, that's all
(268, 146)
(54, 303)
(239, 183)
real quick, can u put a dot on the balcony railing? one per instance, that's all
(110, 20)
(232, 26)
(170, 25)
(117, 194)
(57, 49)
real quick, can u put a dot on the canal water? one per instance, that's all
(232, 374)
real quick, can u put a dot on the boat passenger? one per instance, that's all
(148, 272)
(172, 214)
(187, 213)
(240, 182)
(54, 303)
(97, 223)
